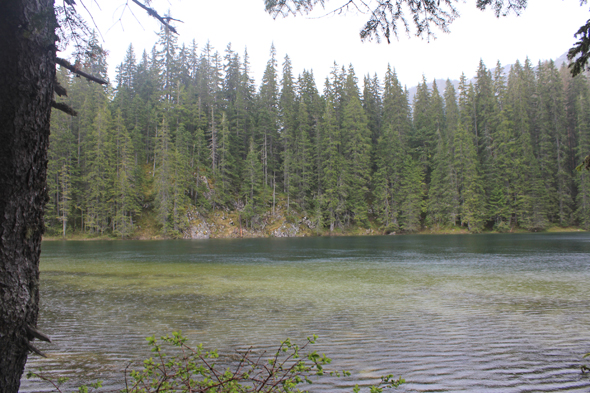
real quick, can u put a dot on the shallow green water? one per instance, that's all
(505, 313)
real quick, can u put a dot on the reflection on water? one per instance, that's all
(477, 313)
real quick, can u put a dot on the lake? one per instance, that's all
(449, 313)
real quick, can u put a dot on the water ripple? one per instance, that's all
(449, 314)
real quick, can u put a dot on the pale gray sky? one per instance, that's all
(544, 31)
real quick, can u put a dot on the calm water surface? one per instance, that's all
(474, 313)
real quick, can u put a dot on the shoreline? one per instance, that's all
(353, 232)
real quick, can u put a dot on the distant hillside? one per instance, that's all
(441, 83)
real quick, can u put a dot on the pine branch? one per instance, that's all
(153, 13)
(579, 54)
(75, 70)
(64, 108)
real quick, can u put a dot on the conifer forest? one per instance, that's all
(184, 133)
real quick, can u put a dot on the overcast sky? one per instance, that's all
(544, 31)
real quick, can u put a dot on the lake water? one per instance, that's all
(474, 313)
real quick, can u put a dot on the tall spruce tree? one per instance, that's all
(164, 176)
(124, 196)
(356, 143)
(98, 173)
(332, 181)
(391, 151)
(288, 122)
(268, 118)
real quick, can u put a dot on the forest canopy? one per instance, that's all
(185, 131)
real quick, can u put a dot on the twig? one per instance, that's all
(46, 379)
(239, 368)
(92, 17)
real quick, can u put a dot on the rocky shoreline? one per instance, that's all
(225, 224)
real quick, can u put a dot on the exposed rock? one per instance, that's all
(286, 230)
(198, 230)
(308, 222)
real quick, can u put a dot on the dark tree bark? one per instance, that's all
(27, 74)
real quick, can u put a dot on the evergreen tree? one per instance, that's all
(451, 122)
(528, 186)
(165, 61)
(468, 180)
(252, 186)
(501, 199)
(356, 141)
(436, 180)
(288, 122)
(486, 110)
(373, 106)
(501, 178)
(99, 173)
(439, 203)
(314, 106)
(332, 181)
(552, 147)
(164, 176)
(246, 108)
(61, 168)
(226, 168)
(412, 191)
(300, 170)
(391, 151)
(268, 117)
(422, 137)
(124, 196)
(181, 179)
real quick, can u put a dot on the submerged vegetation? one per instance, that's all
(185, 145)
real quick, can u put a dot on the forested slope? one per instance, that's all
(184, 133)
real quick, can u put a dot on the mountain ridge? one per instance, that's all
(441, 83)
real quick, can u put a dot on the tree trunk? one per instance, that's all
(27, 72)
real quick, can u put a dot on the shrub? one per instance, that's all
(193, 370)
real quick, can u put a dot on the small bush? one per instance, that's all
(193, 370)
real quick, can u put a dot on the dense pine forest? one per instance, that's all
(184, 135)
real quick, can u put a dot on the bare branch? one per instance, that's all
(72, 26)
(75, 70)
(92, 17)
(33, 349)
(37, 334)
(151, 12)
(59, 89)
(64, 108)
